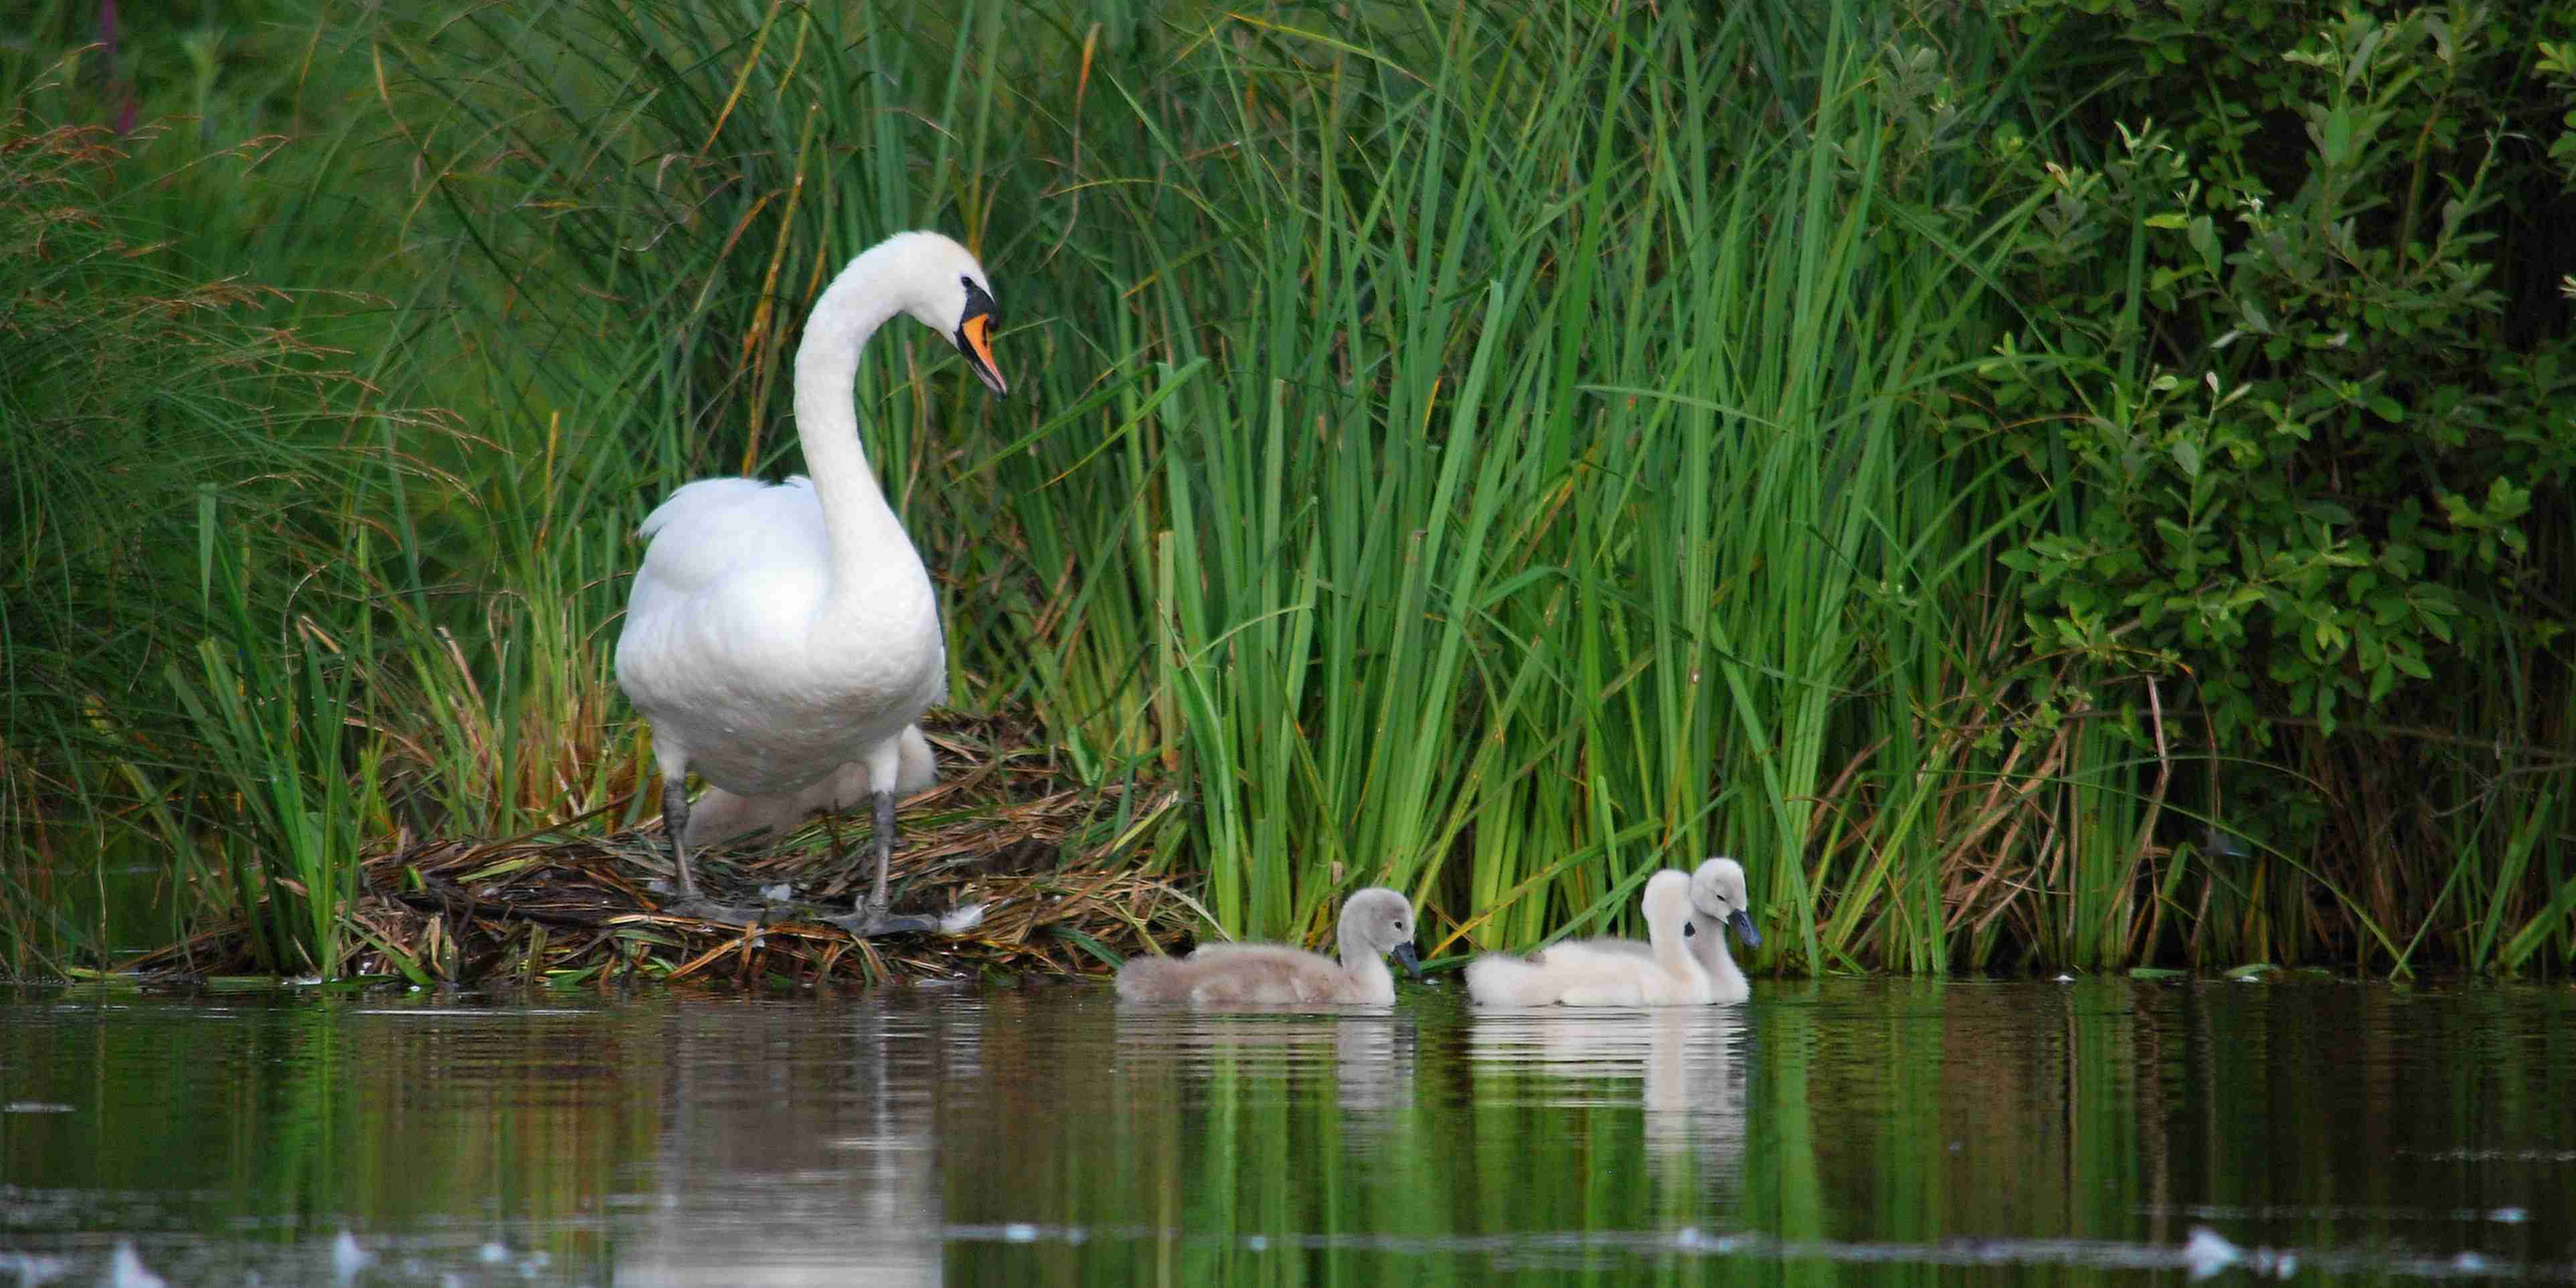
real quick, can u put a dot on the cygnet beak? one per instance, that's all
(1742, 924)
(1404, 957)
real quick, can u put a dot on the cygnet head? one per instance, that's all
(1717, 890)
(1668, 906)
(1381, 921)
(944, 288)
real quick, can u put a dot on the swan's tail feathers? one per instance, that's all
(920, 765)
(961, 920)
(1156, 979)
(1496, 980)
(719, 815)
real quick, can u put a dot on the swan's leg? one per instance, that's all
(884, 763)
(872, 916)
(884, 798)
(675, 825)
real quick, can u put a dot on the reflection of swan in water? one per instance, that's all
(1679, 1062)
(1371, 1055)
(787, 1154)
(1373, 1062)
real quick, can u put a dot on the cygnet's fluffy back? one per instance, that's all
(1718, 903)
(1592, 974)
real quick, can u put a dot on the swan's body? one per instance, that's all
(1375, 921)
(1591, 974)
(731, 649)
(782, 639)
(1718, 903)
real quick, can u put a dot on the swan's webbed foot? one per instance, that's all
(703, 908)
(870, 920)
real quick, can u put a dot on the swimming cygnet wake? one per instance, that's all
(1375, 921)
(1718, 903)
(1592, 974)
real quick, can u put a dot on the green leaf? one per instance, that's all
(2204, 242)
(2186, 454)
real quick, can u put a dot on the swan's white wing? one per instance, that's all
(727, 587)
(700, 497)
(714, 645)
(712, 533)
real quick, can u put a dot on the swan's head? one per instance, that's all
(1382, 920)
(945, 289)
(1717, 889)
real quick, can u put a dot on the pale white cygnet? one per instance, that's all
(1591, 974)
(1718, 903)
(1375, 921)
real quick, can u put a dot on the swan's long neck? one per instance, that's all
(1362, 961)
(1673, 953)
(860, 526)
(1720, 964)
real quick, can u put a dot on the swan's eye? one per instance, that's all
(978, 300)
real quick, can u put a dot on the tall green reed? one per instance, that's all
(129, 380)
(1494, 451)
(1466, 446)
(201, 646)
(272, 702)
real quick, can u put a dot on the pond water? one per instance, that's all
(1840, 1131)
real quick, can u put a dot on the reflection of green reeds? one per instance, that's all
(1910, 1123)
(303, 1116)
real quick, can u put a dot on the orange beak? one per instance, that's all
(973, 340)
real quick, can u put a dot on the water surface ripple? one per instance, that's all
(1839, 1131)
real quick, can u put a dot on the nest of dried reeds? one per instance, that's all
(1055, 867)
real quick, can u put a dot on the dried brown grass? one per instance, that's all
(1059, 875)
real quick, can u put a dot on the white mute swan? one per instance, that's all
(1719, 904)
(1375, 921)
(782, 639)
(1591, 974)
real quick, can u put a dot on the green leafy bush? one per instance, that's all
(2294, 378)
(2295, 414)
